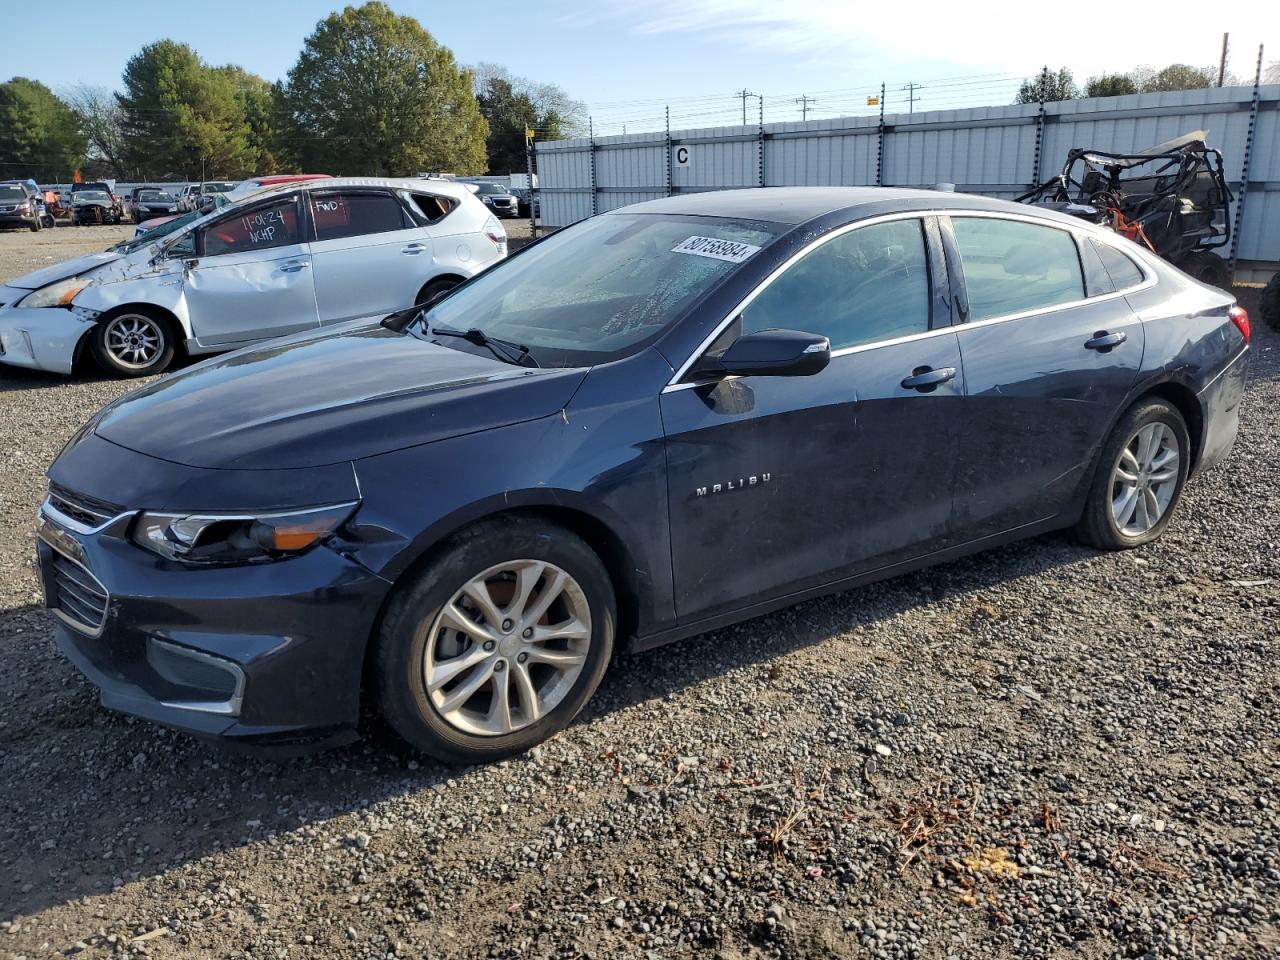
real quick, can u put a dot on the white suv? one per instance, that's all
(286, 259)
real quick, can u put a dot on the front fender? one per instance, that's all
(605, 464)
(160, 288)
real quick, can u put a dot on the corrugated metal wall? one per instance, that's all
(988, 150)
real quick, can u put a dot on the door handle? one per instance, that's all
(294, 266)
(927, 379)
(1103, 341)
(414, 248)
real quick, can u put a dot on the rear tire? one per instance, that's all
(1207, 268)
(434, 288)
(460, 719)
(1269, 304)
(134, 341)
(1149, 443)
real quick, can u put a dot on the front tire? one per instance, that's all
(1139, 480)
(497, 642)
(135, 341)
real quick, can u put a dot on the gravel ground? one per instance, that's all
(1038, 751)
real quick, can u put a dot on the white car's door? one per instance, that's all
(370, 256)
(252, 277)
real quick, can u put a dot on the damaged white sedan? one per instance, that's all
(284, 260)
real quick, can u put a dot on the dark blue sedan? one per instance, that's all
(658, 421)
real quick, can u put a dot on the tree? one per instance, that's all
(39, 134)
(1176, 76)
(259, 106)
(1047, 87)
(1271, 74)
(1110, 85)
(509, 114)
(373, 93)
(182, 117)
(101, 121)
(551, 102)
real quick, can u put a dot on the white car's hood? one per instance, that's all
(60, 271)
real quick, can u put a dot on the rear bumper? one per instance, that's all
(40, 338)
(1220, 401)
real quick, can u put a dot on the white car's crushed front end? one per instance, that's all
(40, 338)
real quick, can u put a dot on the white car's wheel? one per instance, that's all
(135, 341)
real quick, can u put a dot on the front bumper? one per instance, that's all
(17, 219)
(266, 654)
(39, 338)
(168, 641)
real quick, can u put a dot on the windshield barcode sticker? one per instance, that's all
(730, 250)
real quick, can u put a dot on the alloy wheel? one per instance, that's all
(1144, 479)
(507, 648)
(134, 340)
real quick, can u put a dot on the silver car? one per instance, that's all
(286, 259)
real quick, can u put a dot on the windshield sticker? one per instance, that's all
(728, 250)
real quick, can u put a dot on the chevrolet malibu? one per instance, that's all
(291, 257)
(656, 422)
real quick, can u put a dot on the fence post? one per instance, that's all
(1035, 163)
(591, 160)
(668, 127)
(760, 146)
(533, 192)
(1244, 171)
(880, 143)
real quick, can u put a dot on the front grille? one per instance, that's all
(78, 595)
(85, 510)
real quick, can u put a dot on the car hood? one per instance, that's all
(60, 271)
(321, 398)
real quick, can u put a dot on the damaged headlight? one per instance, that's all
(237, 538)
(58, 294)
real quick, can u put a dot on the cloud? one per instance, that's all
(997, 35)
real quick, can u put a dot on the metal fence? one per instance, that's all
(998, 151)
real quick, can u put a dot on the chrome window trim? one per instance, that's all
(1149, 280)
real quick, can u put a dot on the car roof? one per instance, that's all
(446, 187)
(796, 205)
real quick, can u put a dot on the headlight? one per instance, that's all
(237, 538)
(58, 294)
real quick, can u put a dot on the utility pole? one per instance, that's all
(744, 93)
(1222, 63)
(911, 89)
(804, 102)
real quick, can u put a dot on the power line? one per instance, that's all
(911, 87)
(804, 102)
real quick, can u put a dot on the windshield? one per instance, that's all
(155, 196)
(12, 193)
(602, 289)
(490, 188)
(94, 196)
(155, 233)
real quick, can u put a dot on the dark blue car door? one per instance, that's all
(780, 484)
(1051, 350)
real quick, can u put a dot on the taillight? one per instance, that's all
(1240, 317)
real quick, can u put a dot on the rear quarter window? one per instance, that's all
(1124, 272)
(1011, 266)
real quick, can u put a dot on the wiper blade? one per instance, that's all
(506, 350)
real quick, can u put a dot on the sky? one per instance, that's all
(629, 60)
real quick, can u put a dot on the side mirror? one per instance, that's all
(770, 353)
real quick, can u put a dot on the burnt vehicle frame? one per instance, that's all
(1173, 198)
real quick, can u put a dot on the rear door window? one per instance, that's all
(1011, 266)
(272, 225)
(339, 215)
(429, 208)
